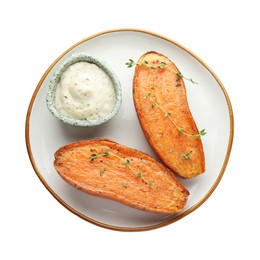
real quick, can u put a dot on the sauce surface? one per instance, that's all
(85, 91)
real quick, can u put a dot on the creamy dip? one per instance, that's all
(85, 91)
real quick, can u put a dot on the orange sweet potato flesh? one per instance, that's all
(163, 111)
(107, 169)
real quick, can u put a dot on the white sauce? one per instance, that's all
(85, 91)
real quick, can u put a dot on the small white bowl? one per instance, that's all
(50, 98)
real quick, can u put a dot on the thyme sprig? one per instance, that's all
(180, 75)
(126, 162)
(131, 63)
(167, 114)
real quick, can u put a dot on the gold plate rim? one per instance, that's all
(93, 221)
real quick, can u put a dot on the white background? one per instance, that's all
(224, 34)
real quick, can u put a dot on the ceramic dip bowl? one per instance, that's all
(84, 91)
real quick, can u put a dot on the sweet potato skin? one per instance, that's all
(160, 100)
(107, 169)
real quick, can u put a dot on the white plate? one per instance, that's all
(208, 101)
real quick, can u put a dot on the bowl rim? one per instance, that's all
(74, 58)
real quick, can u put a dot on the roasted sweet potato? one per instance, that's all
(163, 111)
(107, 169)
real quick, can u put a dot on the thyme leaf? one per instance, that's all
(93, 156)
(139, 175)
(180, 130)
(144, 63)
(201, 133)
(127, 162)
(101, 171)
(185, 156)
(163, 65)
(106, 153)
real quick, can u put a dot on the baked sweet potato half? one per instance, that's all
(160, 100)
(107, 169)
